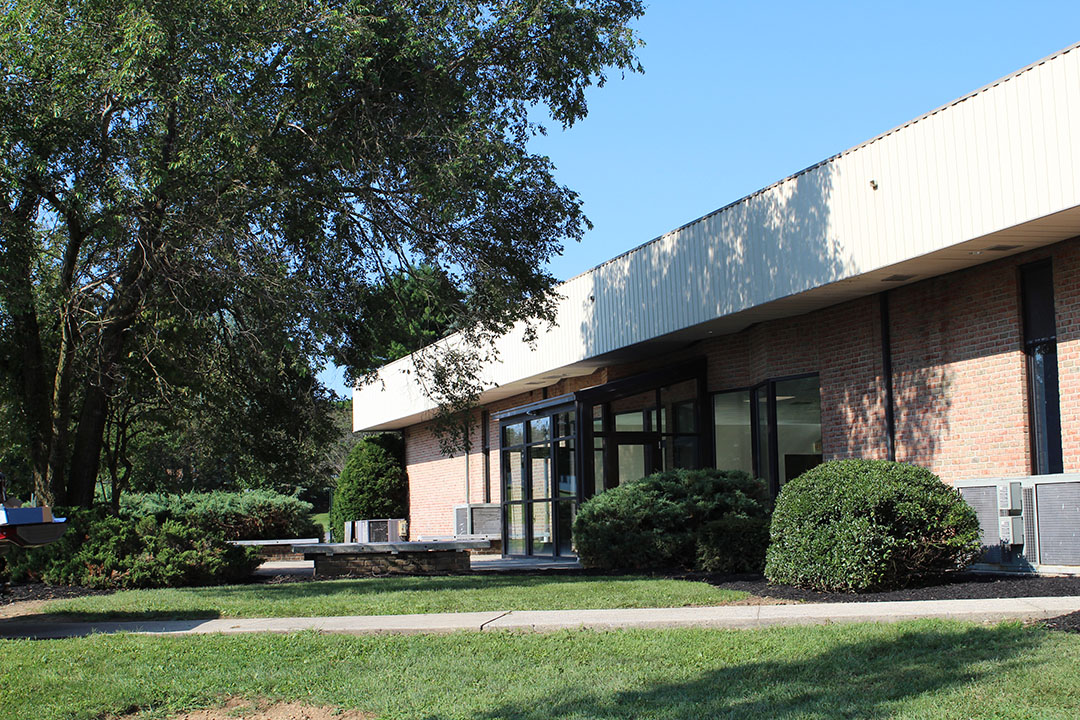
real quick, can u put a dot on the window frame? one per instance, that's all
(768, 386)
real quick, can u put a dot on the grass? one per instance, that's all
(924, 669)
(324, 520)
(394, 596)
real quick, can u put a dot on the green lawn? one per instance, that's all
(322, 519)
(394, 596)
(926, 669)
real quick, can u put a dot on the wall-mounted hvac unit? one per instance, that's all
(373, 531)
(1028, 524)
(486, 519)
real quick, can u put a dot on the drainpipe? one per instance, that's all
(468, 494)
(886, 370)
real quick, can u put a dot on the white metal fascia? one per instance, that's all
(1001, 158)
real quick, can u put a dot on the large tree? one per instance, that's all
(267, 163)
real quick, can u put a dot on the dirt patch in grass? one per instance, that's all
(244, 709)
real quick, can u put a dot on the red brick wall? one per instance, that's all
(959, 380)
(436, 483)
(1066, 258)
(959, 374)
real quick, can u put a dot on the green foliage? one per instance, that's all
(711, 520)
(227, 191)
(251, 515)
(102, 550)
(373, 483)
(862, 525)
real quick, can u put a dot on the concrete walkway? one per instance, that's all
(732, 616)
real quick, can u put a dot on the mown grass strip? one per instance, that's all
(925, 669)
(395, 596)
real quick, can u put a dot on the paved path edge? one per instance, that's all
(721, 617)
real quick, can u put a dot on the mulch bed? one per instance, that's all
(39, 591)
(957, 586)
(966, 586)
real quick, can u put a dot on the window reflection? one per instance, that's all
(798, 427)
(731, 431)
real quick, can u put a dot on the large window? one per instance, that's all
(638, 430)
(772, 430)
(732, 433)
(1040, 346)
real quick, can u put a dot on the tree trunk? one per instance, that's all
(16, 229)
(86, 455)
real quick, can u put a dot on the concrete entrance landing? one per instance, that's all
(495, 563)
(478, 563)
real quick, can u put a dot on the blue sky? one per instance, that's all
(736, 96)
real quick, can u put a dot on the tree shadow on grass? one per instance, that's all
(210, 598)
(866, 679)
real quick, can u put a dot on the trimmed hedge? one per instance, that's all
(868, 525)
(249, 515)
(102, 550)
(373, 483)
(712, 520)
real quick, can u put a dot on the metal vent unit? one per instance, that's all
(374, 531)
(486, 519)
(1028, 524)
(1059, 523)
(984, 501)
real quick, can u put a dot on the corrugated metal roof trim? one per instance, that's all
(1076, 46)
(826, 161)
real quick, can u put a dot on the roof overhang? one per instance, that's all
(987, 176)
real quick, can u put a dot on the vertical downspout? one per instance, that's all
(468, 494)
(886, 370)
(485, 447)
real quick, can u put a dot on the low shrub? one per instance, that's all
(373, 483)
(103, 550)
(867, 525)
(248, 515)
(712, 520)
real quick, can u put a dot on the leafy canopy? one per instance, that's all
(259, 170)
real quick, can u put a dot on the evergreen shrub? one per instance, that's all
(714, 520)
(105, 551)
(373, 483)
(247, 515)
(868, 525)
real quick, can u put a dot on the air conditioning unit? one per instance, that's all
(1028, 524)
(374, 531)
(486, 519)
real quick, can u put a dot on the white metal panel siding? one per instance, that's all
(992, 160)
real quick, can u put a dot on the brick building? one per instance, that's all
(916, 297)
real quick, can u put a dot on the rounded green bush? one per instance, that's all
(867, 525)
(713, 520)
(246, 515)
(373, 483)
(102, 550)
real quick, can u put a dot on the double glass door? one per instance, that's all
(539, 469)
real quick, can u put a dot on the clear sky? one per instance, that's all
(736, 96)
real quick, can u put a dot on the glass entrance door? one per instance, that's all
(540, 483)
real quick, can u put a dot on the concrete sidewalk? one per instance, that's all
(732, 617)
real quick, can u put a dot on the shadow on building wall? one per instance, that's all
(768, 246)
